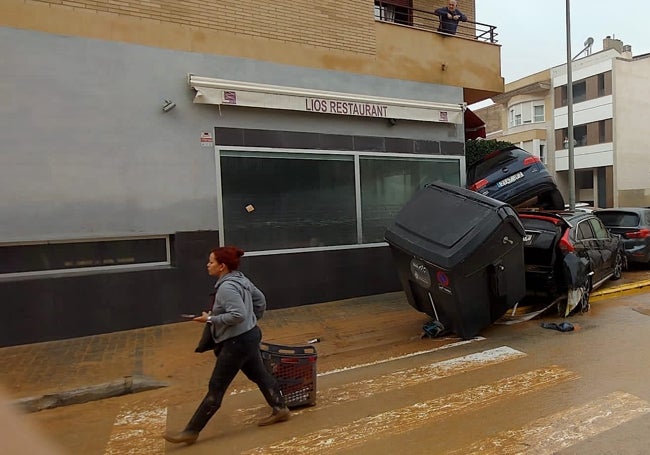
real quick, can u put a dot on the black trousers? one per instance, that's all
(238, 353)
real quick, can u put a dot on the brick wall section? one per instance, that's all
(334, 24)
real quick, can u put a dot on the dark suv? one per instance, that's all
(633, 224)
(514, 176)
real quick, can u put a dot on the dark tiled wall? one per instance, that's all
(67, 306)
(299, 140)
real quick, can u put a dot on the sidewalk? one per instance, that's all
(166, 352)
(367, 327)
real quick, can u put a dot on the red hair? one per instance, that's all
(228, 255)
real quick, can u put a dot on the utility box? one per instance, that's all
(459, 257)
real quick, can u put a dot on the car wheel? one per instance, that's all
(618, 266)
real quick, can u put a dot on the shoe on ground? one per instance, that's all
(278, 415)
(188, 437)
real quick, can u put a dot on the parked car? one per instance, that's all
(570, 253)
(633, 225)
(514, 176)
(581, 207)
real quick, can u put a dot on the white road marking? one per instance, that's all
(397, 380)
(408, 418)
(236, 391)
(138, 432)
(551, 434)
(406, 356)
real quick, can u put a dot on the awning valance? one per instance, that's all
(234, 93)
(474, 126)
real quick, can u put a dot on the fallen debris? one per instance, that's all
(562, 326)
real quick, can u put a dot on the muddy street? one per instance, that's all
(384, 389)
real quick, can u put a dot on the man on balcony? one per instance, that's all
(449, 18)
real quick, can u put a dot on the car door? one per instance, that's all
(607, 244)
(587, 247)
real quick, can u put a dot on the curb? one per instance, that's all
(118, 387)
(619, 290)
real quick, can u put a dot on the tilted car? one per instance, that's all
(514, 176)
(633, 225)
(569, 253)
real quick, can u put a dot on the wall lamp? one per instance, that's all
(168, 105)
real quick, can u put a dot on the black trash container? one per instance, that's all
(459, 256)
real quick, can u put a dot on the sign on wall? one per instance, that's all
(233, 93)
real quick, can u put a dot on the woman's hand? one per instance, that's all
(202, 318)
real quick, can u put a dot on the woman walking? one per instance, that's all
(238, 304)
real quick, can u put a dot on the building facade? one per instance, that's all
(610, 96)
(520, 114)
(137, 137)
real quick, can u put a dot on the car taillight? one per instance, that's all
(565, 244)
(478, 185)
(640, 234)
(531, 160)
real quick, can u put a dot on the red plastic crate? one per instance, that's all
(295, 369)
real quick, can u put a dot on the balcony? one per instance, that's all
(389, 11)
(408, 39)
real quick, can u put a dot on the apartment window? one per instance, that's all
(580, 92)
(527, 112)
(66, 255)
(397, 11)
(301, 199)
(580, 135)
(542, 153)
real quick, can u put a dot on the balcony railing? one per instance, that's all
(388, 11)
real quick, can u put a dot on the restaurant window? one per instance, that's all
(288, 200)
(387, 183)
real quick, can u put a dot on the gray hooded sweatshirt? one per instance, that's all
(238, 304)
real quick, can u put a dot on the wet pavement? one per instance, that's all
(371, 327)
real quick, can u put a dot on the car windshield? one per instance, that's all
(621, 219)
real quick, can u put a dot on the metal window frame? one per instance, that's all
(357, 156)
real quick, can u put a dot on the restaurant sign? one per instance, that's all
(219, 92)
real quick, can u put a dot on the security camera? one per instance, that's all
(168, 106)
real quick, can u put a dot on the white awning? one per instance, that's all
(235, 93)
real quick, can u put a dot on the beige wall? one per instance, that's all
(337, 35)
(631, 143)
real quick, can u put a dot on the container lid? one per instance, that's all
(446, 224)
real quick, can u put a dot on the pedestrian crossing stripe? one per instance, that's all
(397, 380)
(551, 434)
(138, 432)
(237, 391)
(408, 418)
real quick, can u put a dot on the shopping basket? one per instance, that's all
(295, 369)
